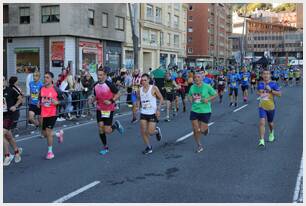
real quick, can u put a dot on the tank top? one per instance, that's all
(48, 109)
(148, 101)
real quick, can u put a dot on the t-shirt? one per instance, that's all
(234, 80)
(221, 80)
(181, 81)
(198, 93)
(10, 97)
(267, 99)
(34, 91)
(285, 74)
(105, 91)
(276, 73)
(245, 78)
(208, 80)
(169, 86)
(48, 109)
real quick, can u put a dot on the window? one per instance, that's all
(190, 8)
(190, 18)
(176, 21)
(158, 14)
(50, 14)
(177, 7)
(119, 25)
(190, 29)
(146, 37)
(153, 39)
(24, 13)
(190, 51)
(169, 39)
(169, 19)
(176, 40)
(161, 38)
(150, 11)
(189, 40)
(91, 16)
(105, 20)
(5, 14)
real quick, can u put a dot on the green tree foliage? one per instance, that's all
(288, 7)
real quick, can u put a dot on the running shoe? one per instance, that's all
(119, 127)
(167, 119)
(7, 160)
(134, 120)
(271, 137)
(104, 151)
(49, 156)
(159, 134)
(236, 105)
(148, 150)
(231, 104)
(200, 149)
(18, 155)
(60, 136)
(261, 143)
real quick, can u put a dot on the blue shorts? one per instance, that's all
(202, 117)
(266, 113)
(134, 97)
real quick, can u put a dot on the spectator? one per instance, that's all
(78, 96)
(87, 82)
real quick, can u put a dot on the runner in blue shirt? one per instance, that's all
(245, 81)
(35, 87)
(233, 79)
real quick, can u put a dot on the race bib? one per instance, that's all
(234, 84)
(46, 101)
(105, 114)
(34, 96)
(253, 80)
(221, 82)
(245, 79)
(197, 98)
(146, 105)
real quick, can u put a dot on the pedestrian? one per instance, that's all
(49, 98)
(267, 90)
(200, 95)
(35, 87)
(149, 111)
(105, 95)
(12, 99)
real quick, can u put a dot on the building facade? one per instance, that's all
(209, 26)
(161, 29)
(50, 36)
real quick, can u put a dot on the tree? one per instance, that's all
(287, 7)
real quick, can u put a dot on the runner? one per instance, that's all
(297, 75)
(201, 95)
(245, 81)
(267, 89)
(285, 76)
(135, 88)
(50, 97)
(12, 98)
(291, 75)
(276, 74)
(169, 86)
(233, 87)
(35, 87)
(105, 95)
(182, 83)
(221, 81)
(253, 81)
(149, 111)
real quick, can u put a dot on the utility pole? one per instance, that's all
(134, 37)
(242, 36)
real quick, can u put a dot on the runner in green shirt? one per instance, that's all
(200, 95)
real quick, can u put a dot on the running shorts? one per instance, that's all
(48, 122)
(105, 117)
(149, 117)
(34, 108)
(202, 117)
(266, 113)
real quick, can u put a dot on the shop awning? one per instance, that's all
(22, 50)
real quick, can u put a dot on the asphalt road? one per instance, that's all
(231, 168)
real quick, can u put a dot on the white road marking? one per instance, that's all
(71, 127)
(190, 134)
(299, 180)
(75, 193)
(236, 110)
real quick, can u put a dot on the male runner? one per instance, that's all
(233, 87)
(291, 75)
(105, 95)
(182, 84)
(200, 95)
(221, 81)
(297, 75)
(170, 86)
(49, 98)
(267, 89)
(149, 111)
(35, 87)
(253, 81)
(245, 81)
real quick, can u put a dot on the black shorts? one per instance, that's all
(276, 78)
(48, 122)
(253, 82)
(285, 79)
(8, 124)
(202, 117)
(235, 90)
(170, 96)
(297, 79)
(221, 88)
(244, 87)
(149, 117)
(107, 121)
(34, 108)
(290, 78)
(181, 94)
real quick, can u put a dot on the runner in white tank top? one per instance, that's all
(149, 111)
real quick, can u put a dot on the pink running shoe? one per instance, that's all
(60, 136)
(50, 156)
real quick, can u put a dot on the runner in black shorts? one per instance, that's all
(221, 81)
(35, 87)
(170, 86)
(48, 122)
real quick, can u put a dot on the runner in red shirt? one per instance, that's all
(49, 98)
(182, 83)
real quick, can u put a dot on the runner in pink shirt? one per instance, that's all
(49, 98)
(105, 95)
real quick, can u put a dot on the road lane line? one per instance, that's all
(75, 193)
(190, 134)
(299, 180)
(236, 110)
(71, 127)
